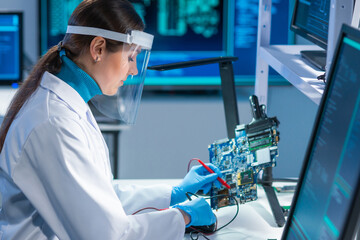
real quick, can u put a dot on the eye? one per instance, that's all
(131, 59)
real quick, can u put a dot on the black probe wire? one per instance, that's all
(217, 229)
(197, 235)
(237, 209)
(216, 196)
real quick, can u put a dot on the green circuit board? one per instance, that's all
(254, 148)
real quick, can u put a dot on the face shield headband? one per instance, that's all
(135, 55)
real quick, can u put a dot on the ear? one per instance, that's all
(97, 48)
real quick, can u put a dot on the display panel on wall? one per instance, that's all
(186, 30)
(11, 47)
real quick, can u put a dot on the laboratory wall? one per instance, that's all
(173, 127)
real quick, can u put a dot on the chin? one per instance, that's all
(111, 92)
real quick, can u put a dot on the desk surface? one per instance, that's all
(254, 221)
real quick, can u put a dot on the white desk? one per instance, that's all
(254, 221)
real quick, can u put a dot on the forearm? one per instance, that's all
(167, 224)
(157, 196)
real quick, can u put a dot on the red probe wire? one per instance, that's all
(211, 171)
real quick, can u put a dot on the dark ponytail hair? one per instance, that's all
(114, 15)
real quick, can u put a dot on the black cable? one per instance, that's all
(192, 194)
(197, 235)
(237, 209)
(217, 229)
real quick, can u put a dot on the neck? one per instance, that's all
(78, 79)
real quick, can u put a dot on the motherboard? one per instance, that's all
(241, 159)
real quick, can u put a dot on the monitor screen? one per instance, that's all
(311, 19)
(10, 47)
(330, 179)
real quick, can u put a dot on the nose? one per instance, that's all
(133, 69)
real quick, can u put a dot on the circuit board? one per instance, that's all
(240, 159)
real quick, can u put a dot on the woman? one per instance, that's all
(55, 176)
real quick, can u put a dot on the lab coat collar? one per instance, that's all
(66, 93)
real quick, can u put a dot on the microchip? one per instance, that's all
(246, 177)
(228, 177)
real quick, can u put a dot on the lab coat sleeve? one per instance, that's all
(156, 196)
(71, 191)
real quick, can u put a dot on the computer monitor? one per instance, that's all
(326, 202)
(183, 31)
(10, 47)
(311, 20)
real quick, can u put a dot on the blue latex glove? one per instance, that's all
(197, 178)
(199, 212)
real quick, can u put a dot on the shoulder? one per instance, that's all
(43, 108)
(44, 113)
(36, 140)
(58, 130)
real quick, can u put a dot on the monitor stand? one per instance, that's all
(316, 58)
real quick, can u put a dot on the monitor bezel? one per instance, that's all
(303, 32)
(20, 79)
(351, 222)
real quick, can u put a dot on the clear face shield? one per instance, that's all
(135, 55)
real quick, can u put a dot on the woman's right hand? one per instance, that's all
(197, 178)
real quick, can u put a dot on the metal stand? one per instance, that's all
(276, 209)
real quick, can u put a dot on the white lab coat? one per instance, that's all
(56, 181)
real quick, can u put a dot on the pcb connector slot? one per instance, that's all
(261, 143)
